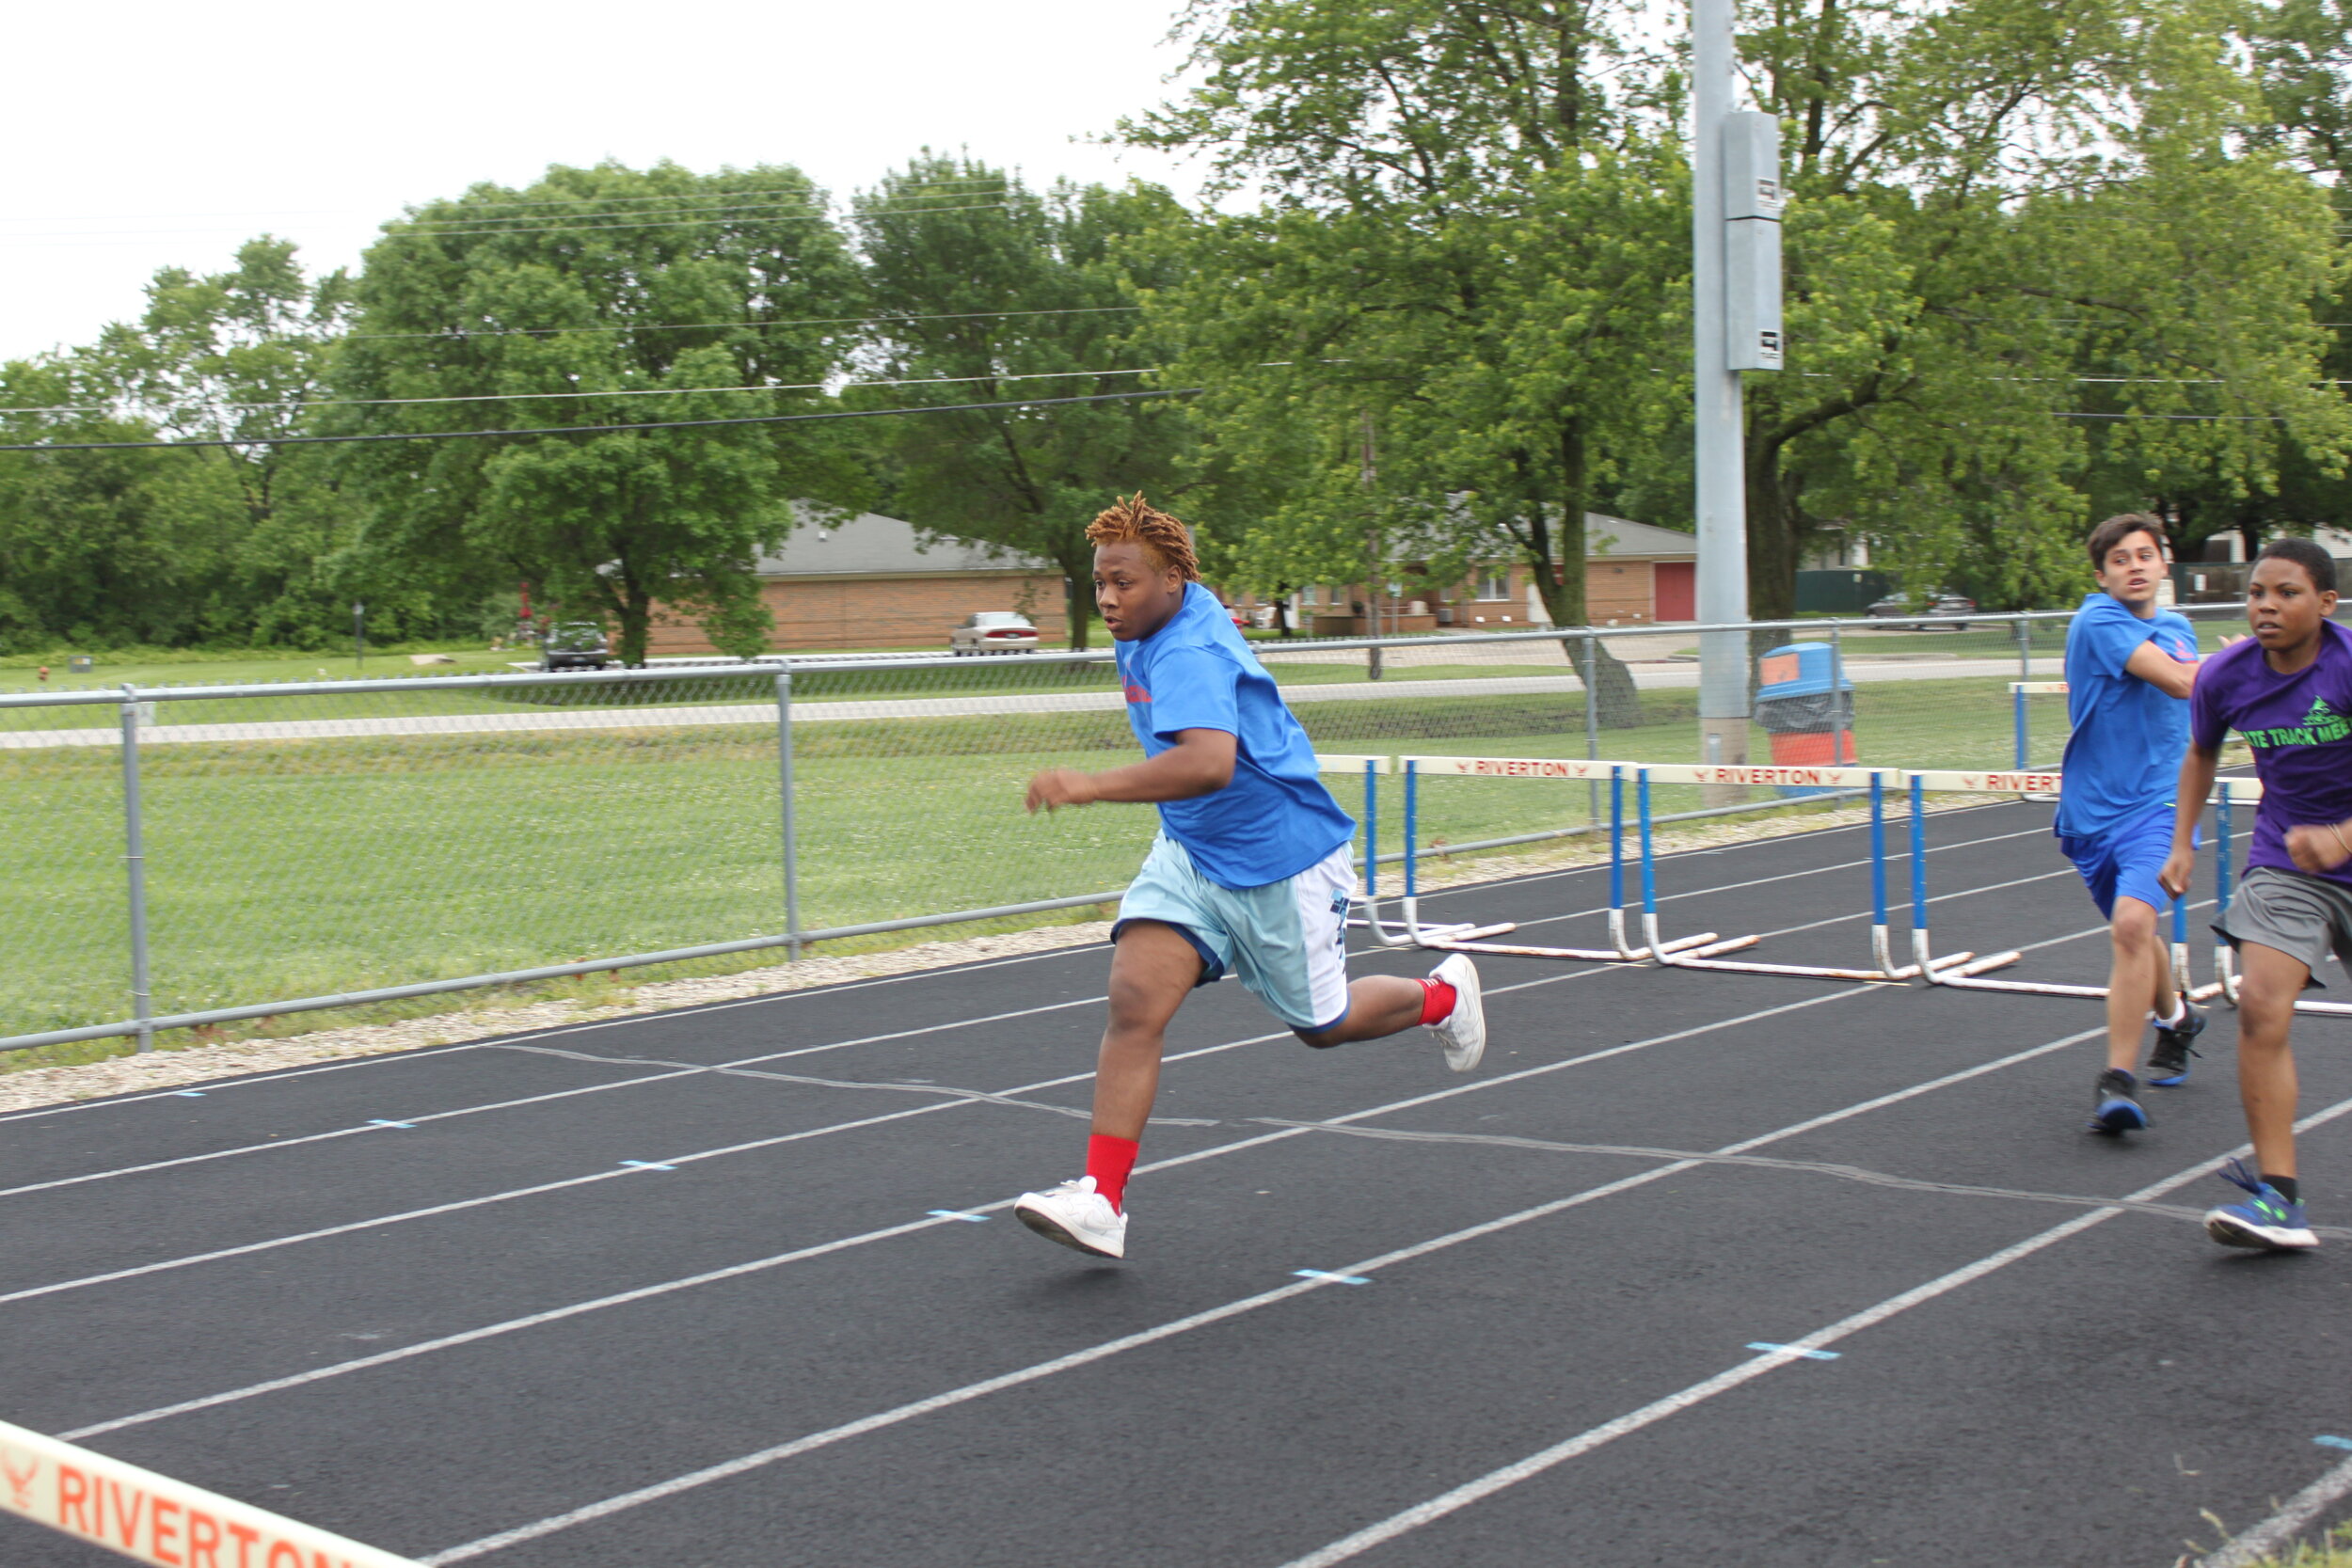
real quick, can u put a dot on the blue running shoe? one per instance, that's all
(2115, 1103)
(2264, 1221)
(2167, 1063)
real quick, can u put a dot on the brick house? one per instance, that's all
(1634, 574)
(868, 582)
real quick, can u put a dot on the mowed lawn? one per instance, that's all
(286, 869)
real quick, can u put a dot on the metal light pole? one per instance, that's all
(1722, 517)
(1735, 282)
(360, 635)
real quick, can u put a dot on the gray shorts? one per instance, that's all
(2304, 917)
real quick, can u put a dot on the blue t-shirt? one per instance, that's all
(2300, 728)
(1275, 819)
(2124, 759)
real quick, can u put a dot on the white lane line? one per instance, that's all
(432, 1051)
(510, 1042)
(605, 1175)
(1747, 1371)
(734, 1271)
(385, 1058)
(643, 1079)
(2275, 1535)
(915, 1409)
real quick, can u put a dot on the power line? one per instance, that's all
(600, 429)
(619, 392)
(690, 327)
(672, 223)
(610, 202)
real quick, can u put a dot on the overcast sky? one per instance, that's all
(149, 135)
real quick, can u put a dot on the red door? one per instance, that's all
(1676, 587)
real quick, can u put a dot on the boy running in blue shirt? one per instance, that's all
(2288, 691)
(1250, 871)
(2129, 668)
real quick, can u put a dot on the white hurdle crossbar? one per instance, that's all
(152, 1518)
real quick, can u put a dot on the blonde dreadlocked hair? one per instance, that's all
(1132, 521)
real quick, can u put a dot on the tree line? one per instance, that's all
(2044, 262)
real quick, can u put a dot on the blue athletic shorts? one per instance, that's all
(1286, 942)
(2125, 862)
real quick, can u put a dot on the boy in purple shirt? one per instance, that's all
(2288, 691)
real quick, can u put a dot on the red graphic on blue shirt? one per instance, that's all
(1136, 693)
(2183, 651)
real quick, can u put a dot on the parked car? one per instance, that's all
(574, 646)
(1943, 608)
(993, 631)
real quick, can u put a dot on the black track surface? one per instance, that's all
(2090, 1402)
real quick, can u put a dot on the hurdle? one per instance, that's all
(2226, 793)
(2018, 692)
(1883, 970)
(152, 1518)
(1374, 769)
(1414, 934)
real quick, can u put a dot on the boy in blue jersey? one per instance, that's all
(2129, 668)
(1250, 871)
(2287, 689)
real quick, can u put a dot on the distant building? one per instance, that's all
(1634, 574)
(868, 582)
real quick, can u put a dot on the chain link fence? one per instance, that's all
(196, 855)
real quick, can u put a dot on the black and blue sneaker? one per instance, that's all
(2115, 1103)
(2266, 1220)
(2167, 1063)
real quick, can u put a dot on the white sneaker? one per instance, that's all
(1463, 1031)
(1077, 1217)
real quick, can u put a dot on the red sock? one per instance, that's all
(1438, 1004)
(1109, 1161)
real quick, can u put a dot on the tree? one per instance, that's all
(105, 549)
(599, 297)
(1001, 293)
(1470, 241)
(242, 356)
(2026, 241)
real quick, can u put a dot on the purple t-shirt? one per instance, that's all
(2300, 728)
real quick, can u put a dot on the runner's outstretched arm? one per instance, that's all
(1201, 762)
(2198, 767)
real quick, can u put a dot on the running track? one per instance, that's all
(424, 1301)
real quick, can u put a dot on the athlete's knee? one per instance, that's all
(2134, 925)
(2265, 1008)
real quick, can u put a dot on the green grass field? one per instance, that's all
(300, 867)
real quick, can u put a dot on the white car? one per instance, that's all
(993, 631)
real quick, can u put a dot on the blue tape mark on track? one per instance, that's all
(189, 1094)
(1796, 1349)
(958, 1214)
(379, 1122)
(1334, 1278)
(2334, 1442)
(647, 1165)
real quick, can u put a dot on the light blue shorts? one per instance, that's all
(1285, 941)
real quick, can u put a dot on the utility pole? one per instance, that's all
(1735, 281)
(1368, 473)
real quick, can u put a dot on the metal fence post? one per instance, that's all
(1591, 724)
(1836, 699)
(791, 837)
(134, 867)
(2025, 672)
